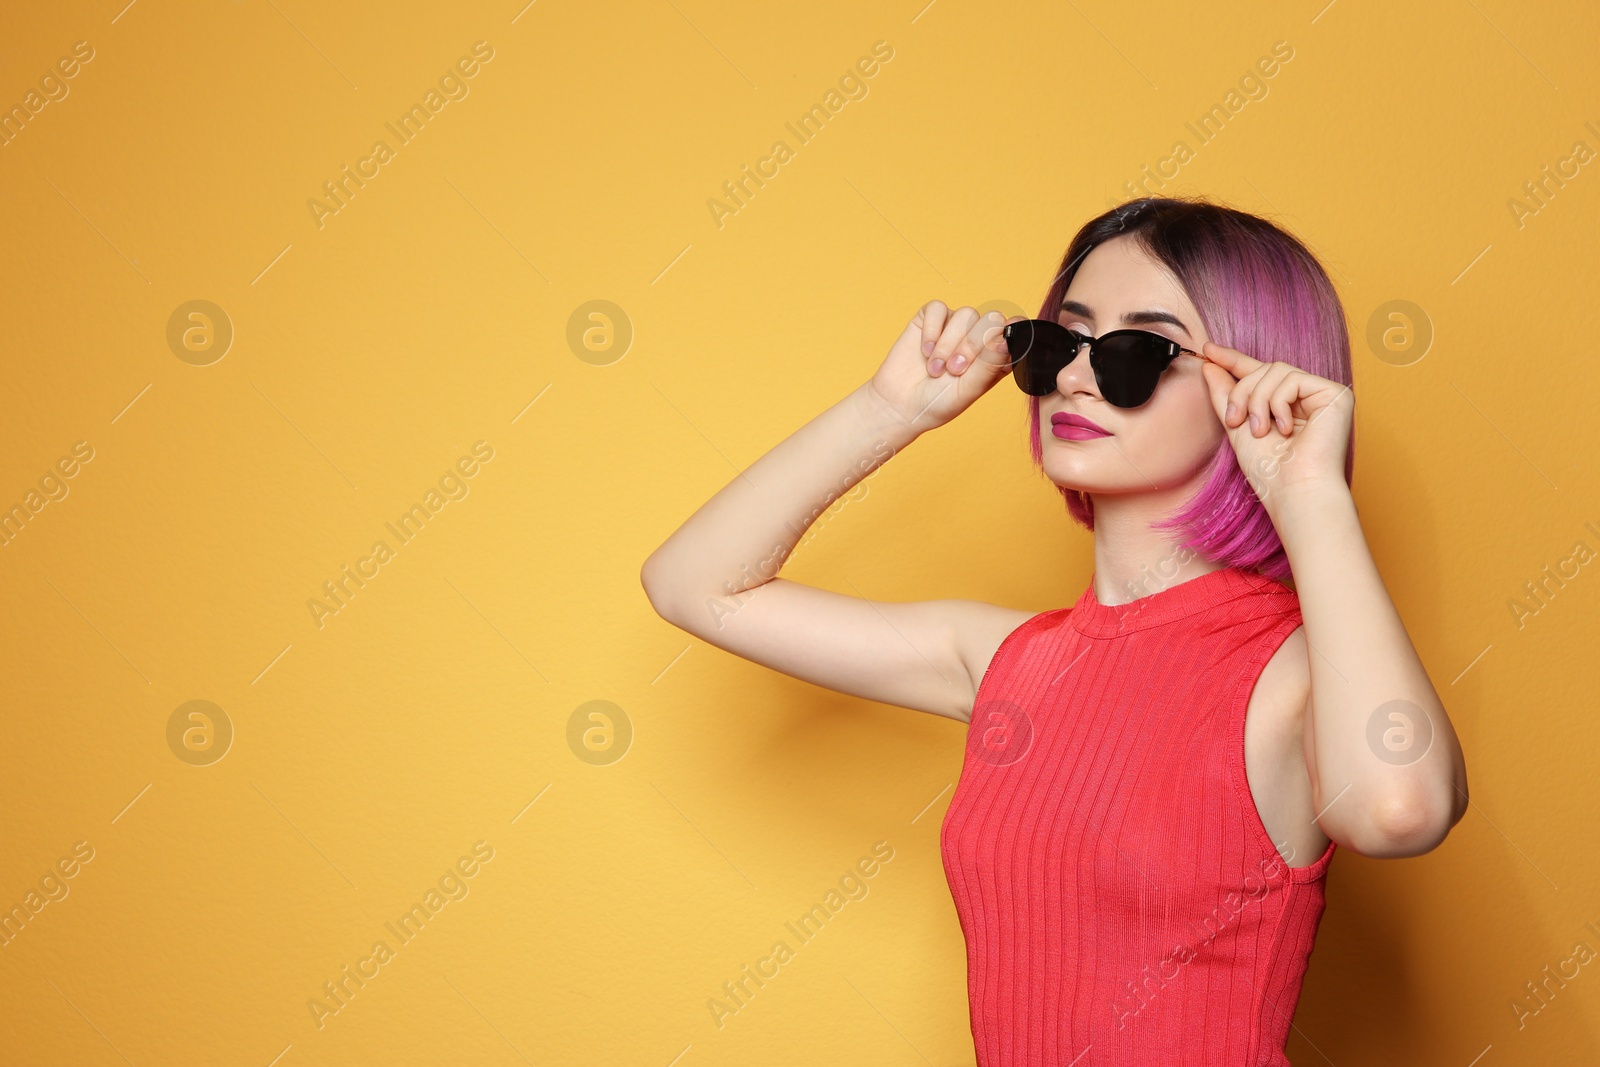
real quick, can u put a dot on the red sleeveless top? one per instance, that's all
(1121, 901)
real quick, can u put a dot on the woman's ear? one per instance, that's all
(1218, 383)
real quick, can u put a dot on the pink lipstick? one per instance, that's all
(1070, 427)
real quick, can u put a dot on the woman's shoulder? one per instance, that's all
(981, 628)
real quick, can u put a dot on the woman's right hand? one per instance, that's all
(943, 361)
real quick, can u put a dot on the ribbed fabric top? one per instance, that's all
(1121, 901)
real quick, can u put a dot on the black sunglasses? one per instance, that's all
(1127, 363)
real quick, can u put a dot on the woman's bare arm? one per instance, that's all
(717, 575)
(1387, 773)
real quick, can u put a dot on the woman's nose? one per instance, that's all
(1078, 375)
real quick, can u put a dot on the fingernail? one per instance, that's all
(1255, 422)
(959, 362)
(1231, 410)
(927, 348)
(935, 367)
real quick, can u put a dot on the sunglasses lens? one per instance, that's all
(1129, 366)
(1127, 363)
(1039, 349)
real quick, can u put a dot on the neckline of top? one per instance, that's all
(1094, 619)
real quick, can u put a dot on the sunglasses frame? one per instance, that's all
(1113, 377)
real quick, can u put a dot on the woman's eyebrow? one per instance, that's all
(1131, 318)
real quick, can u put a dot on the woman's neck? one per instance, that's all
(1132, 560)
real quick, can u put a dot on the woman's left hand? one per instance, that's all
(1301, 429)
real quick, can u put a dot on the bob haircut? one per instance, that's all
(1258, 290)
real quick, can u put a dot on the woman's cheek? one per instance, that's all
(1200, 420)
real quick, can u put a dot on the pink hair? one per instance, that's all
(1258, 290)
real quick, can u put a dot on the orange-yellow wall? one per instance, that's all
(444, 308)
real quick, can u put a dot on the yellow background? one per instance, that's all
(432, 710)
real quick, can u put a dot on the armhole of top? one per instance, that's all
(1239, 707)
(1026, 625)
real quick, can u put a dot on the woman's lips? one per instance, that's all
(1070, 427)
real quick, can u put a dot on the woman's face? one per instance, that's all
(1165, 442)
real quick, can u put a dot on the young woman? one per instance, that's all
(1157, 776)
